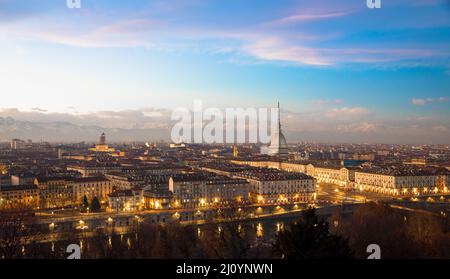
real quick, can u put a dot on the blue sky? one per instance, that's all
(367, 73)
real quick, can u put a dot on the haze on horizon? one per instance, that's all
(342, 72)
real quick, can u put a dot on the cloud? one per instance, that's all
(354, 124)
(274, 49)
(418, 102)
(440, 128)
(422, 101)
(364, 127)
(267, 43)
(325, 102)
(303, 17)
(347, 112)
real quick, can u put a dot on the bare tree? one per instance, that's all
(16, 222)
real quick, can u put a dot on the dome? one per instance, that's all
(278, 144)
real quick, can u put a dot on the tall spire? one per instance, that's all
(279, 117)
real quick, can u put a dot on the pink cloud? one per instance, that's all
(347, 112)
(302, 17)
(440, 128)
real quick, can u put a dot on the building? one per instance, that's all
(199, 189)
(5, 179)
(91, 187)
(324, 173)
(54, 191)
(123, 181)
(271, 186)
(278, 145)
(18, 144)
(337, 175)
(94, 168)
(22, 179)
(102, 146)
(157, 199)
(125, 201)
(20, 194)
(404, 181)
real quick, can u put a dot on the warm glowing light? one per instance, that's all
(260, 199)
(259, 230)
(110, 220)
(280, 227)
(216, 200)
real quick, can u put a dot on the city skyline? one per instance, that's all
(340, 70)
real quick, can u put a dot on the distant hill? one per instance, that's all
(66, 131)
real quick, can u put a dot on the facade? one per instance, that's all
(125, 201)
(22, 194)
(332, 174)
(401, 183)
(157, 199)
(270, 186)
(122, 181)
(342, 176)
(54, 192)
(91, 187)
(194, 190)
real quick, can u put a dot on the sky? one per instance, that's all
(339, 69)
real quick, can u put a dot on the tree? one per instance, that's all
(84, 204)
(16, 221)
(95, 205)
(310, 238)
